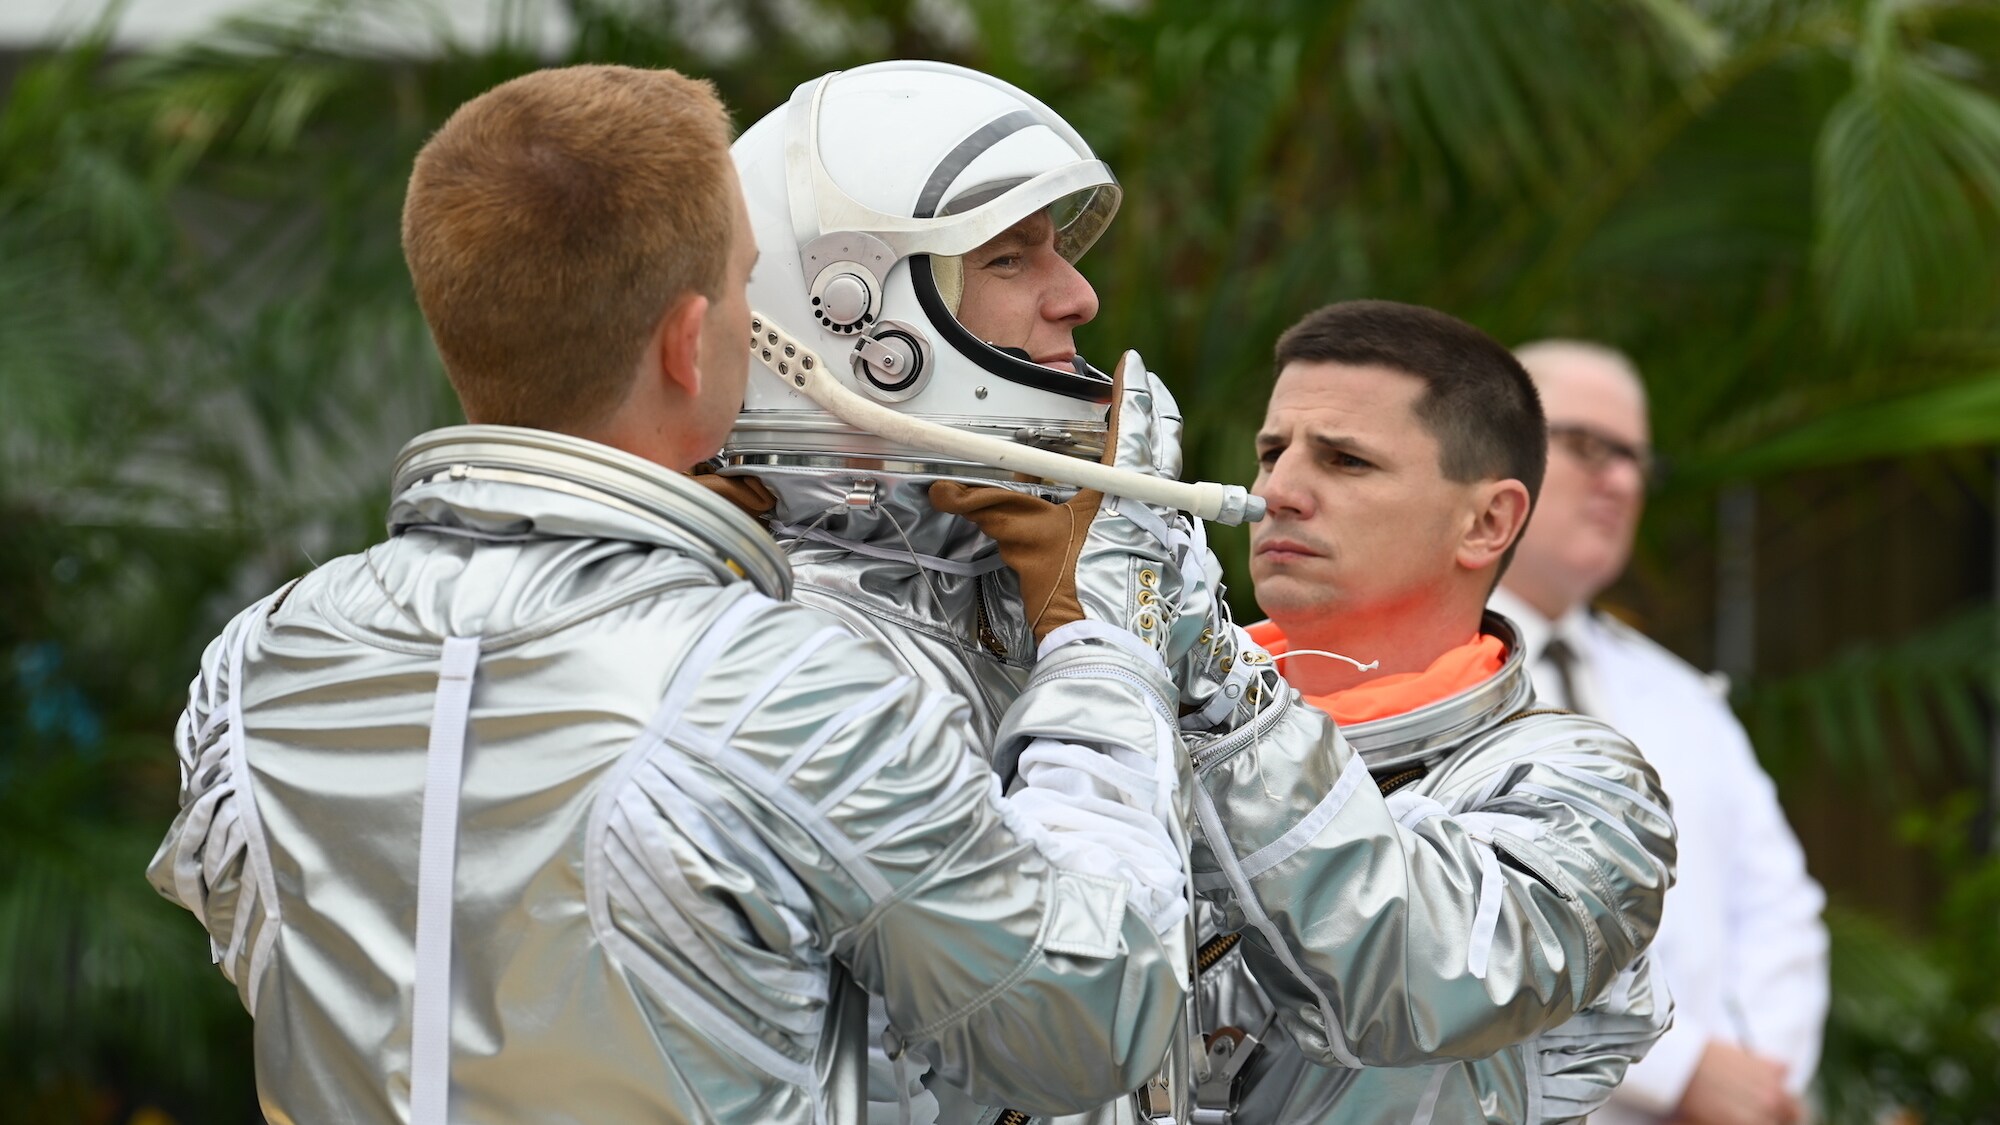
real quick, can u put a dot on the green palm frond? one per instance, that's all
(1516, 92)
(1961, 412)
(1909, 188)
(1913, 1019)
(1701, 41)
(1887, 716)
(99, 968)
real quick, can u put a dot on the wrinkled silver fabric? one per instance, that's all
(1566, 1002)
(967, 633)
(681, 800)
(867, 546)
(1364, 939)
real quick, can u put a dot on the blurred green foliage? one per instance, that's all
(1916, 1024)
(1789, 210)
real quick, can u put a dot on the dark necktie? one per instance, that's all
(1562, 658)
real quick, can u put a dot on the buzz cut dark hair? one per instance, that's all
(1478, 401)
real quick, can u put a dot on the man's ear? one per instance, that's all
(1499, 514)
(677, 344)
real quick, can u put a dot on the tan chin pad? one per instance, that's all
(949, 273)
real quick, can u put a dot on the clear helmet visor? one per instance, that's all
(988, 302)
(1070, 226)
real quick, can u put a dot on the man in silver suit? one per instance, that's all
(919, 225)
(1525, 849)
(552, 808)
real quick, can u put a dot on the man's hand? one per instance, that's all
(1088, 558)
(746, 492)
(1731, 1086)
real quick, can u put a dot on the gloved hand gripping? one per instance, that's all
(1103, 559)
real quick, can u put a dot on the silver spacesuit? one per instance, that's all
(962, 157)
(952, 618)
(1524, 871)
(1358, 917)
(1547, 841)
(565, 712)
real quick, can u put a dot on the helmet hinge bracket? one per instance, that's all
(846, 275)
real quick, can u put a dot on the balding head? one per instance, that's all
(1566, 366)
(1580, 536)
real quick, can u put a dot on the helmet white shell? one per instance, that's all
(856, 186)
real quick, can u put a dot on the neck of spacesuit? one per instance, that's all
(887, 512)
(1441, 724)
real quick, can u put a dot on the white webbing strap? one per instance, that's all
(437, 860)
(1480, 825)
(1486, 916)
(1427, 1105)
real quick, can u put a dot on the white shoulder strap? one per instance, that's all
(437, 861)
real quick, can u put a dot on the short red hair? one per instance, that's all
(550, 224)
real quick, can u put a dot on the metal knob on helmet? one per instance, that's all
(845, 300)
(893, 361)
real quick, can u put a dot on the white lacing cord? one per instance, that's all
(798, 533)
(1368, 667)
(924, 564)
(889, 554)
(1256, 737)
(1262, 692)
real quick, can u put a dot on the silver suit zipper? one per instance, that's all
(1256, 729)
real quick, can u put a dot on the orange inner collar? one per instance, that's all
(1457, 670)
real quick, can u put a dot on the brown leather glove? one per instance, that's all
(746, 492)
(1039, 540)
(1084, 558)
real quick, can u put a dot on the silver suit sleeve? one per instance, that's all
(209, 861)
(1021, 981)
(1582, 1061)
(1392, 939)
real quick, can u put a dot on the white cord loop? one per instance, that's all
(1368, 667)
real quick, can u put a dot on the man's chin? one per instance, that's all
(1282, 594)
(1595, 564)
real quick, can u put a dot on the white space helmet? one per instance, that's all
(864, 190)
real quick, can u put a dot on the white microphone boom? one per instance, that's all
(799, 366)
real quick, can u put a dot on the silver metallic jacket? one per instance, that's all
(932, 589)
(665, 812)
(1516, 871)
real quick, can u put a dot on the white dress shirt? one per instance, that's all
(1741, 942)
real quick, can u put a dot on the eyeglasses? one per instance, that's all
(1597, 450)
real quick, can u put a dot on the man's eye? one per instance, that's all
(1004, 262)
(1349, 461)
(1269, 457)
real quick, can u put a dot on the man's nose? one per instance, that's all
(1070, 299)
(1286, 487)
(1623, 478)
